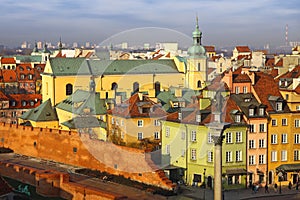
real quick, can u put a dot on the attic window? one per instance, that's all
(48, 114)
(35, 111)
(198, 117)
(24, 103)
(278, 106)
(32, 103)
(261, 111)
(237, 118)
(251, 111)
(247, 100)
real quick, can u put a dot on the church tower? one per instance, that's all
(45, 53)
(196, 75)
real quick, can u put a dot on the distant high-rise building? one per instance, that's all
(87, 45)
(39, 45)
(24, 45)
(124, 45)
(75, 44)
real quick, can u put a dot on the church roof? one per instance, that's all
(84, 122)
(81, 102)
(82, 66)
(44, 112)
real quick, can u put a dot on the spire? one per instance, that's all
(35, 49)
(60, 44)
(197, 33)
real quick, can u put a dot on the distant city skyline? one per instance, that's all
(222, 22)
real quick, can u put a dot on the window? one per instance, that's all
(261, 111)
(273, 156)
(122, 122)
(31, 103)
(284, 122)
(228, 156)
(284, 155)
(237, 90)
(273, 139)
(261, 159)
(193, 154)
(156, 135)
(22, 76)
(262, 128)
(297, 123)
(193, 136)
(245, 89)
(183, 135)
(238, 137)
(69, 89)
(298, 107)
(228, 138)
(167, 149)
(296, 155)
(14, 114)
(2, 114)
(210, 157)
(199, 84)
(251, 144)
(251, 128)
(238, 156)
(140, 135)
(278, 106)
(30, 76)
(209, 138)
(140, 123)
(182, 152)
(261, 143)
(167, 131)
(297, 138)
(252, 160)
(274, 122)
(156, 122)
(237, 118)
(112, 120)
(251, 111)
(283, 138)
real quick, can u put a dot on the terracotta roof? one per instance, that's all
(136, 107)
(3, 97)
(9, 75)
(270, 62)
(214, 58)
(210, 70)
(8, 61)
(245, 57)
(209, 48)
(4, 187)
(243, 49)
(241, 78)
(266, 87)
(279, 63)
(294, 73)
(25, 101)
(25, 69)
(216, 84)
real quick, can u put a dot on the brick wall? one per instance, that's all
(74, 149)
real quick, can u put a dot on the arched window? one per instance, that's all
(136, 87)
(157, 88)
(199, 84)
(114, 86)
(69, 89)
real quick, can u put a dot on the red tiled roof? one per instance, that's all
(210, 70)
(4, 187)
(3, 97)
(241, 78)
(131, 108)
(20, 98)
(214, 58)
(270, 62)
(243, 49)
(265, 87)
(9, 75)
(279, 63)
(25, 69)
(8, 61)
(245, 57)
(209, 48)
(295, 73)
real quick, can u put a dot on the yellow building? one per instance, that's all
(121, 78)
(135, 122)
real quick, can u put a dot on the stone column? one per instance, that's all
(218, 170)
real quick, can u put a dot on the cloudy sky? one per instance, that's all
(223, 22)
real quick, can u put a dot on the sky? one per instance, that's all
(222, 22)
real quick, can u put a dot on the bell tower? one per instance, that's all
(196, 75)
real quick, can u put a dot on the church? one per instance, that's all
(119, 79)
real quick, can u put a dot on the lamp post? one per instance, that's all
(216, 129)
(204, 184)
(280, 174)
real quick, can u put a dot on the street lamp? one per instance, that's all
(216, 129)
(280, 174)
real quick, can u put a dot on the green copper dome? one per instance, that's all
(197, 50)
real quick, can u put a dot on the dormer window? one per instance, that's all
(22, 76)
(261, 111)
(24, 103)
(13, 103)
(278, 106)
(238, 118)
(30, 76)
(251, 111)
(198, 117)
(180, 116)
